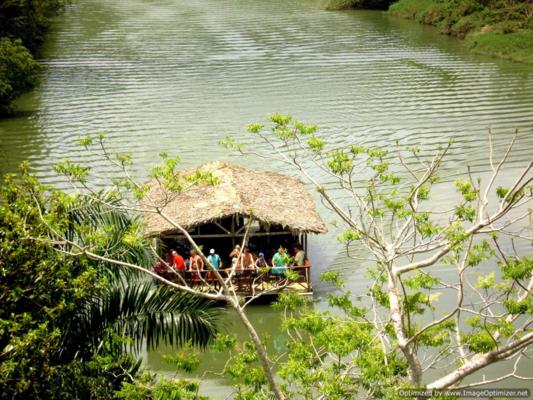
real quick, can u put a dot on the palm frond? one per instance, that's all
(155, 314)
(99, 222)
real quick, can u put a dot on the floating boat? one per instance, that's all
(264, 210)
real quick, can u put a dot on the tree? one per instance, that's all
(19, 72)
(28, 20)
(382, 342)
(23, 24)
(65, 323)
(129, 195)
(385, 339)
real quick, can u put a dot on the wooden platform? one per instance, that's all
(250, 282)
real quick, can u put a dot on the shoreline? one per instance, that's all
(498, 28)
(498, 31)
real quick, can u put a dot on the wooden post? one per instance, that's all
(233, 230)
(155, 242)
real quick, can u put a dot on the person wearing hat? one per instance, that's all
(214, 259)
(261, 262)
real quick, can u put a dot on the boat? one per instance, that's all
(260, 209)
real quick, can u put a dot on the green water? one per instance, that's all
(177, 76)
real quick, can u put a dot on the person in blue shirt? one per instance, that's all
(279, 262)
(214, 259)
(216, 262)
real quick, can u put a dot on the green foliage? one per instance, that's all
(486, 281)
(517, 269)
(478, 253)
(466, 189)
(324, 347)
(28, 20)
(516, 46)
(32, 273)
(349, 236)
(22, 27)
(223, 342)
(153, 387)
(66, 322)
(421, 281)
(425, 226)
(465, 213)
(186, 359)
(244, 369)
(437, 336)
(316, 144)
(19, 72)
(333, 277)
(494, 27)
(480, 342)
(73, 171)
(354, 347)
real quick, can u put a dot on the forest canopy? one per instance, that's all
(23, 24)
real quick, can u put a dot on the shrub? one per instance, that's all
(18, 71)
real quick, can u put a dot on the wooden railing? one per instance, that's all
(248, 281)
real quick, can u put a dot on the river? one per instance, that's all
(177, 76)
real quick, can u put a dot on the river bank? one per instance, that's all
(499, 28)
(496, 27)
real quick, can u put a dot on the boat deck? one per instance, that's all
(250, 282)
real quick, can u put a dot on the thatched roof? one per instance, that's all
(269, 197)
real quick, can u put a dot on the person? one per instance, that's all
(196, 263)
(234, 255)
(299, 257)
(297, 246)
(178, 263)
(214, 259)
(216, 263)
(261, 262)
(279, 262)
(247, 259)
(158, 269)
(168, 259)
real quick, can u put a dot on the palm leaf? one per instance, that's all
(130, 306)
(145, 313)
(101, 214)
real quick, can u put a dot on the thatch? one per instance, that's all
(269, 197)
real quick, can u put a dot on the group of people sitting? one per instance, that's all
(241, 260)
(244, 259)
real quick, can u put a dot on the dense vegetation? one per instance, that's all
(23, 24)
(414, 326)
(66, 323)
(502, 28)
(495, 27)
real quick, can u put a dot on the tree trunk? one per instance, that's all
(260, 351)
(415, 369)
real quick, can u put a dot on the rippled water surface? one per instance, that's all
(178, 75)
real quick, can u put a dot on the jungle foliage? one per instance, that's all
(496, 27)
(399, 333)
(449, 287)
(67, 323)
(23, 24)
(502, 28)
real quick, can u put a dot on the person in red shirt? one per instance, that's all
(177, 261)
